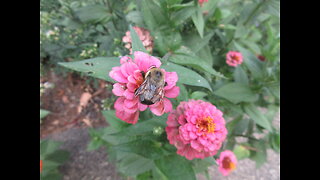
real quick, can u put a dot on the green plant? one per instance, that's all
(51, 158)
(193, 41)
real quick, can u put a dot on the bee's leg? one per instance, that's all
(142, 73)
(165, 84)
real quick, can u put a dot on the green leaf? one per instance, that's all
(48, 147)
(93, 145)
(241, 152)
(241, 31)
(187, 76)
(251, 61)
(51, 175)
(146, 148)
(257, 116)
(136, 42)
(183, 95)
(135, 17)
(195, 43)
(275, 141)
(176, 167)
(240, 76)
(144, 127)
(241, 126)
(133, 164)
(157, 174)
(198, 21)
(93, 14)
(180, 16)
(58, 156)
(43, 113)
(201, 165)
(236, 92)
(98, 67)
(185, 56)
(113, 120)
(153, 15)
(198, 95)
(259, 156)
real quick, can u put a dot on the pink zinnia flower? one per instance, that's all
(144, 36)
(234, 58)
(227, 162)
(197, 129)
(202, 1)
(129, 78)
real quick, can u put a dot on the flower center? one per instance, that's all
(205, 125)
(228, 164)
(235, 58)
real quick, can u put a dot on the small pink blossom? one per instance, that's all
(234, 58)
(196, 128)
(227, 162)
(202, 1)
(144, 36)
(129, 78)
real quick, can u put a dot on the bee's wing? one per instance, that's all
(142, 88)
(158, 95)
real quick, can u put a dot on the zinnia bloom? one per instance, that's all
(129, 78)
(196, 128)
(144, 36)
(202, 1)
(227, 162)
(234, 58)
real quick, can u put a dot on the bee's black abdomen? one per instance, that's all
(147, 102)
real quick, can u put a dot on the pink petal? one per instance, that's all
(126, 39)
(131, 118)
(195, 145)
(167, 105)
(118, 105)
(142, 107)
(132, 79)
(173, 92)
(157, 108)
(132, 87)
(125, 59)
(128, 68)
(118, 89)
(116, 74)
(171, 78)
(130, 103)
(128, 94)
(145, 61)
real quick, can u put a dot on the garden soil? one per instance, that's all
(69, 123)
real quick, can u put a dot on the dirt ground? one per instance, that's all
(75, 106)
(72, 103)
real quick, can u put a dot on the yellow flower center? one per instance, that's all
(228, 164)
(205, 125)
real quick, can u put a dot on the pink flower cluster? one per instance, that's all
(227, 162)
(196, 128)
(234, 58)
(144, 36)
(202, 1)
(129, 78)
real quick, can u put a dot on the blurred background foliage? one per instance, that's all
(197, 37)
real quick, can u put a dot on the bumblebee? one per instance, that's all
(152, 88)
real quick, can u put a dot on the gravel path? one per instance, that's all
(84, 165)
